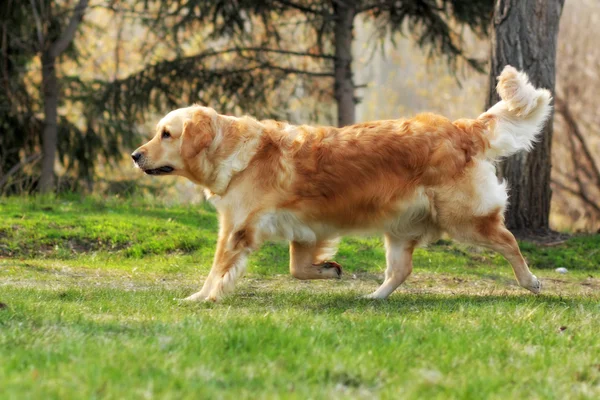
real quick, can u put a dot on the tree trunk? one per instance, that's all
(344, 87)
(525, 35)
(50, 86)
(50, 133)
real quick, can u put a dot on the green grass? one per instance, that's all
(89, 288)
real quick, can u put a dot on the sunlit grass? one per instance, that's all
(90, 289)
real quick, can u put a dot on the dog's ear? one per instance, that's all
(197, 134)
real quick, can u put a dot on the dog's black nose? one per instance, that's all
(136, 156)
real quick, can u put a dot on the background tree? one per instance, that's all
(52, 40)
(43, 30)
(18, 121)
(107, 112)
(242, 56)
(329, 26)
(525, 35)
(576, 145)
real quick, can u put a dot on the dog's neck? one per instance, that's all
(241, 137)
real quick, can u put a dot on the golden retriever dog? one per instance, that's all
(410, 179)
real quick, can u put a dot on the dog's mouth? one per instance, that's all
(160, 170)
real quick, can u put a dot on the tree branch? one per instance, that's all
(260, 65)
(118, 48)
(564, 110)
(67, 36)
(38, 25)
(299, 7)
(367, 7)
(295, 71)
(288, 52)
(211, 53)
(581, 195)
(15, 168)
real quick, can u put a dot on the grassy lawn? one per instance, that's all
(88, 291)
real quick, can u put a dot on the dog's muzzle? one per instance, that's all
(138, 159)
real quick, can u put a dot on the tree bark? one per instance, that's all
(344, 87)
(525, 35)
(50, 132)
(50, 89)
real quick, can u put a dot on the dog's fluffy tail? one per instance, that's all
(515, 122)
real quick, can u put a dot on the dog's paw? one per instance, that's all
(332, 269)
(373, 296)
(534, 285)
(201, 297)
(193, 298)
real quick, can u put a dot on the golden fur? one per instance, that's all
(411, 179)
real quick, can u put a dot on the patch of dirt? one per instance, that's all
(591, 282)
(74, 245)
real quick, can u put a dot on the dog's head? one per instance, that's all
(199, 144)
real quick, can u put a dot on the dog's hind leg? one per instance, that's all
(308, 261)
(498, 238)
(398, 254)
(489, 231)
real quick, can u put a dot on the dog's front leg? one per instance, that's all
(233, 249)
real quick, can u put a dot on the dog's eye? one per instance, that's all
(165, 134)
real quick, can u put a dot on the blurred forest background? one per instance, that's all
(113, 68)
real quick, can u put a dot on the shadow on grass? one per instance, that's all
(107, 309)
(399, 302)
(303, 300)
